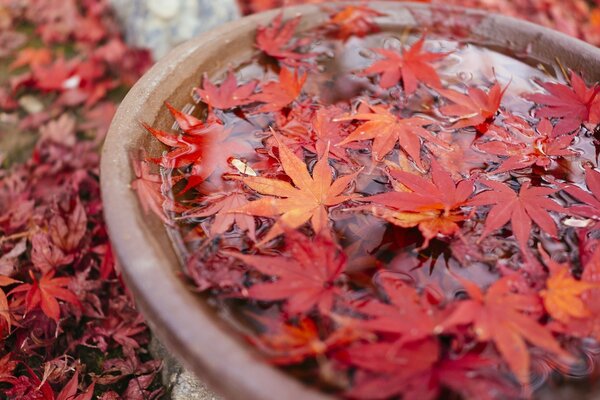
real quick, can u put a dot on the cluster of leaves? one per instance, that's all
(304, 206)
(579, 18)
(68, 328)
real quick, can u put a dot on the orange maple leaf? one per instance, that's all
(307, 199)
(386, 129)
(4, 307)
(291, 343)
(432, 205)
(278, 94)
(562, 296)
(474, 108)
(500, 316)
(32, 57)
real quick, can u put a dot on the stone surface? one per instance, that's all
(181, 384)
(162, 24)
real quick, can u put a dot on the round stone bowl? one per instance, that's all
(187, 326)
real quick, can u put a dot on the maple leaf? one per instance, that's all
(46, 255)
(328, 133)
(7, 367)
(562, 296)
(32, 57)
(475, 108)
(589, 326)
(4, 307)
(219, 205)
(228, 94)
(406, 315)
(306, 200)
(386, 129)
(537, 148)
(276, 41)
(590, 207)
(432, 205)
(474, 377)
(55, 76)
(45, 293)
(388, 369)
(500, 316)
(69, 391)
(305, 279)
(148, 187)
(200, 145)
(286, 343)
(530, 205)
(279, 94)
(354, 21)
(412, 66)
(459, 157)
(574, 105)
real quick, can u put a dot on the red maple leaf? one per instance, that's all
(501, 316)
(406, 314)
(69, 391)
(306, 278)
(206, 147)
(7, 367)
(412, 66)
(228, 94)
(46, 292)
(354, 21)
(277, 41)
(475, 108)
(472, 376)
(56, 76)
(387, 129)
(590, 207)
(148, 187)
(530, 205)
(279, 94)
(219, 205)
(574, 105)
(533, 148)
(432, 205)
(387, 369)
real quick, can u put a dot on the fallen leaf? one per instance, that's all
(307, 200)
(411, 67)
(574, 105)
(279, 94)
(386, 129)
(530, 205)
(228, 94)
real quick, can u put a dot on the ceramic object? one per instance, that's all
(187, 326)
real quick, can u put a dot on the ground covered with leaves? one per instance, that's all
(69, 329)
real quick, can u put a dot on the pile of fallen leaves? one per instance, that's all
(69, 330)
(579, 18)
(313, 183)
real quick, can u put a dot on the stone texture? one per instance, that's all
(162, 24)
(181, 384)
